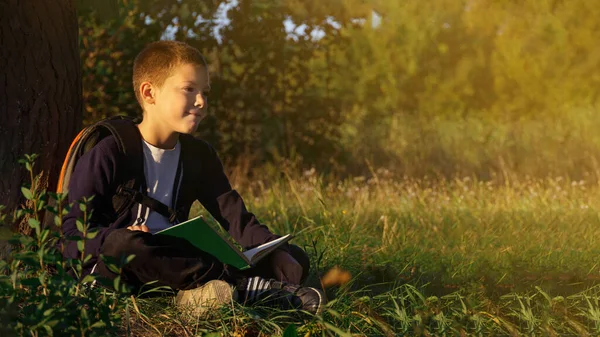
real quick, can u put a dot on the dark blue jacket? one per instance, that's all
(99, 172)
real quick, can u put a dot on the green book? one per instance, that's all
(204, 237)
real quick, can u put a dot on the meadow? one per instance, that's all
(431, 257)
(455, 153)
(426, 256)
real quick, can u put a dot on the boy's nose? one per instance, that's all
(200, 101)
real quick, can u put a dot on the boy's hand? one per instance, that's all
(142, 228)
(285, 267)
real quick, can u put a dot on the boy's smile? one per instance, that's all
(176, 107)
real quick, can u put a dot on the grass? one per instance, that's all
(443, 233)
(457, 257)
(444, 257)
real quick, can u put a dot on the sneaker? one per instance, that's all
(256, 290)
(209, 296)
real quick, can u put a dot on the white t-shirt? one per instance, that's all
(160, 169)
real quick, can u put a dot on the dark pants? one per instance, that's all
(175, 263)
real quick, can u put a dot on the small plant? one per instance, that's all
(37, 295)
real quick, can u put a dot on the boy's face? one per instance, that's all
(181, 102)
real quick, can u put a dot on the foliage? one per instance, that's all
(38, 296)
(444, 234)
(444, 87)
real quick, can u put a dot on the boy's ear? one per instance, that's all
(148, 92)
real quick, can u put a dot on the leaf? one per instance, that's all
(88, 279)
(28, 258)
(117, 282)
(80, 246)
(42, 278)
(51, 258)
(335, 276)
(290, 331)
(48, 329)
(79, 225)
(129, 258)
(91, 235)
(52, 323)
(21, 239)
(20, 212)
(44, 235)
(113, 268)
(31, 282)
(27, 193)
(41, 204)
(99, 324)
(53, 195)
(34, 223)
(111, 263)
(84, 314)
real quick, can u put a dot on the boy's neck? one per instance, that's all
(156, 136)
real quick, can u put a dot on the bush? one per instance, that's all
(38, 296)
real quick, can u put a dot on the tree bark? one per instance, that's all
(40, 90)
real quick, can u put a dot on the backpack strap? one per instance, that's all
(87, 138)
(129, 141)
(153, 204)
(133, 189)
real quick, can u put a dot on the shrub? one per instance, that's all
(38, 295)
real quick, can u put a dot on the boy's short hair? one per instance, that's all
(156, 61)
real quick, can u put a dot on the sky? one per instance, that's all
(291, 28)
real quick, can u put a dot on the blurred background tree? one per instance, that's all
(444, 88)
(40, 93)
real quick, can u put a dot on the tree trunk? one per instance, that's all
(40, 90)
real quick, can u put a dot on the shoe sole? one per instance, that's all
(209, 296)
(320, 307)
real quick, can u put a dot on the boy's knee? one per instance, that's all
(122, 242)
(302, 258)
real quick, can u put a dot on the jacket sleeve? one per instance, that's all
(93, 175)
(228, 208)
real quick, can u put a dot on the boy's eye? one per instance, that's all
(188, 89)
(205, 93)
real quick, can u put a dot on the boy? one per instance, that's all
(171, 83)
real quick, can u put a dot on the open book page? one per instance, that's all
(219, 244)
(204, 237)
(255, 254)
